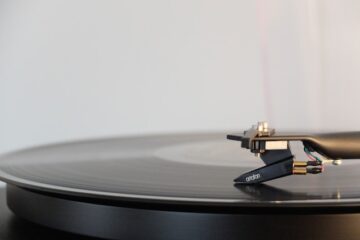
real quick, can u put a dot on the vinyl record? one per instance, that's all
(186, 170)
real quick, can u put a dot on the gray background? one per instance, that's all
(89, 68)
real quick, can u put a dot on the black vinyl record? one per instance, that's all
(183, 169)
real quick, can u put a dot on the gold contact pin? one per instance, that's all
(299, 164)
(299, 170)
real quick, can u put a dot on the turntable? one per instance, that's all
(181, 187)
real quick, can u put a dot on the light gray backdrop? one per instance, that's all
(91, 68)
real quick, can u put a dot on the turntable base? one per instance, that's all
(128, 221)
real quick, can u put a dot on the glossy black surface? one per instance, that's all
(124, 222)
(15, 228)
(173, 169)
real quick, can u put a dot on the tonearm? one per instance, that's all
(274, 151)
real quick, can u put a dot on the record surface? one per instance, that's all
(188, 169)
